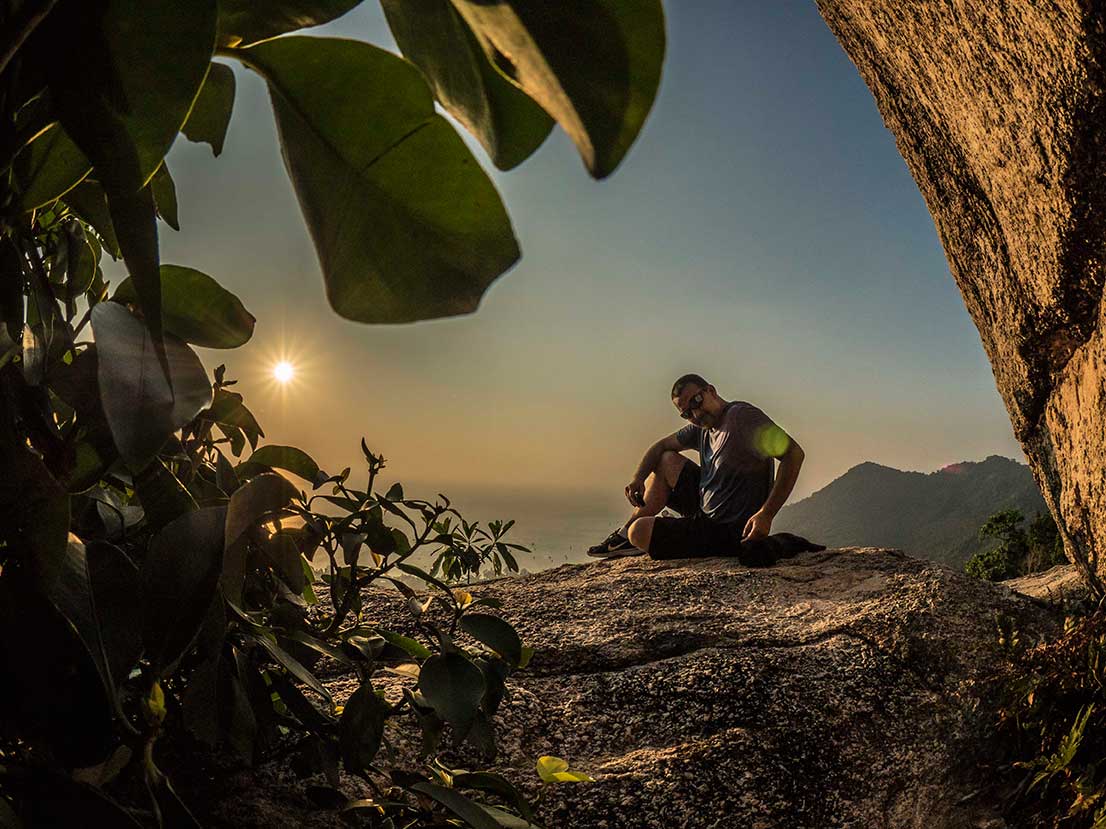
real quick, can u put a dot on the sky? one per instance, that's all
(763, 232)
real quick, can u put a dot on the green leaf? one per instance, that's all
(467, 810)
(255, 499)
(246, 22)
(454, 686)
(116, 591)
(211, 111)
(140, 408)
(179, 578)
(434, 37)
(196, 308)
(228, 410)
(405, 643)
(50, 166)
(362, 728)
(285, 659)
(289, 458)
(165, 196)
(88, 201)
(594, 65)
(556, 770)
(122, 76)
(494, 632)
(498, 785)
(406, 224)
(285, 556)
(162, 495)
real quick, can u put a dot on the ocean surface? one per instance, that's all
(557, 526)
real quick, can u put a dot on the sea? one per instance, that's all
(557, 526)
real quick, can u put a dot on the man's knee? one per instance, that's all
(671, 464)
(640, 533)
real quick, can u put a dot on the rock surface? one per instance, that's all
(841, 688)
(998, 110)
(1056, 585)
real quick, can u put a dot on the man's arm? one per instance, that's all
(760, 524)
(635, 490)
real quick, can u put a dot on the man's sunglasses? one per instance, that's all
(696, 402)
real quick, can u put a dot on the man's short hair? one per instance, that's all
(687, 380)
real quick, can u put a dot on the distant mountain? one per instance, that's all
(935, 515)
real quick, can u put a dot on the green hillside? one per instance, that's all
(935, 515)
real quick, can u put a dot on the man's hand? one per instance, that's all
(635, 492)
(758, 526)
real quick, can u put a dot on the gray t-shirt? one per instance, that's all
(735, 469)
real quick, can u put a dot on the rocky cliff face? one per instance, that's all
(998, 109)
(841, 688)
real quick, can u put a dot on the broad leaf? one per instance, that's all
(115, 590)
(88, 201)
(245, 22)
(406, 224)
(405, 643)
(227, 409)
(494, 632)
(179, 578)
(255, 499)
(556, 770)
(122, 76)
(50, 166)
(211, 111)
(467, 810)
(290, 458)
(362, 728)
(282, 657)
(594, 65)
(285, 557)
(196, 308)
(162, 495)
(454, 687)
(140, 408)
(165, 198)
(433, 36)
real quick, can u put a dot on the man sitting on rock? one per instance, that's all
(726, 505)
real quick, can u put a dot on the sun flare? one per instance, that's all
(283, 372)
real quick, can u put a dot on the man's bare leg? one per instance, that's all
(658, 488)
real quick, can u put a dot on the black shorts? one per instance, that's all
(693, 535)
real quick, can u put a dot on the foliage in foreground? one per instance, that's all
(1019, 551)
(149, 584)
(1053, 714)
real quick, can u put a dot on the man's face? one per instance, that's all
(697, 405)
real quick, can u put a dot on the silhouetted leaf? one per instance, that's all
(285, 659)
(179, 578)
(405, 643)
(290, 458)
(50, 167)
(433, 36)
(494, 632)
(362, 728)
(254, 500)
(115, 591)
(454, 687)
(211, 111)
(467, 810)
(196, 308)
(406, 224)
(163, 497)
(245, 22)
(285, 556)
(88, 201)
(140, 408)
(594, 65)
(165, 197)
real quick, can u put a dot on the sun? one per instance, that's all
(283, 372)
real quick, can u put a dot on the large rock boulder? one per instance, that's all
(841, 688)
(998, 109)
